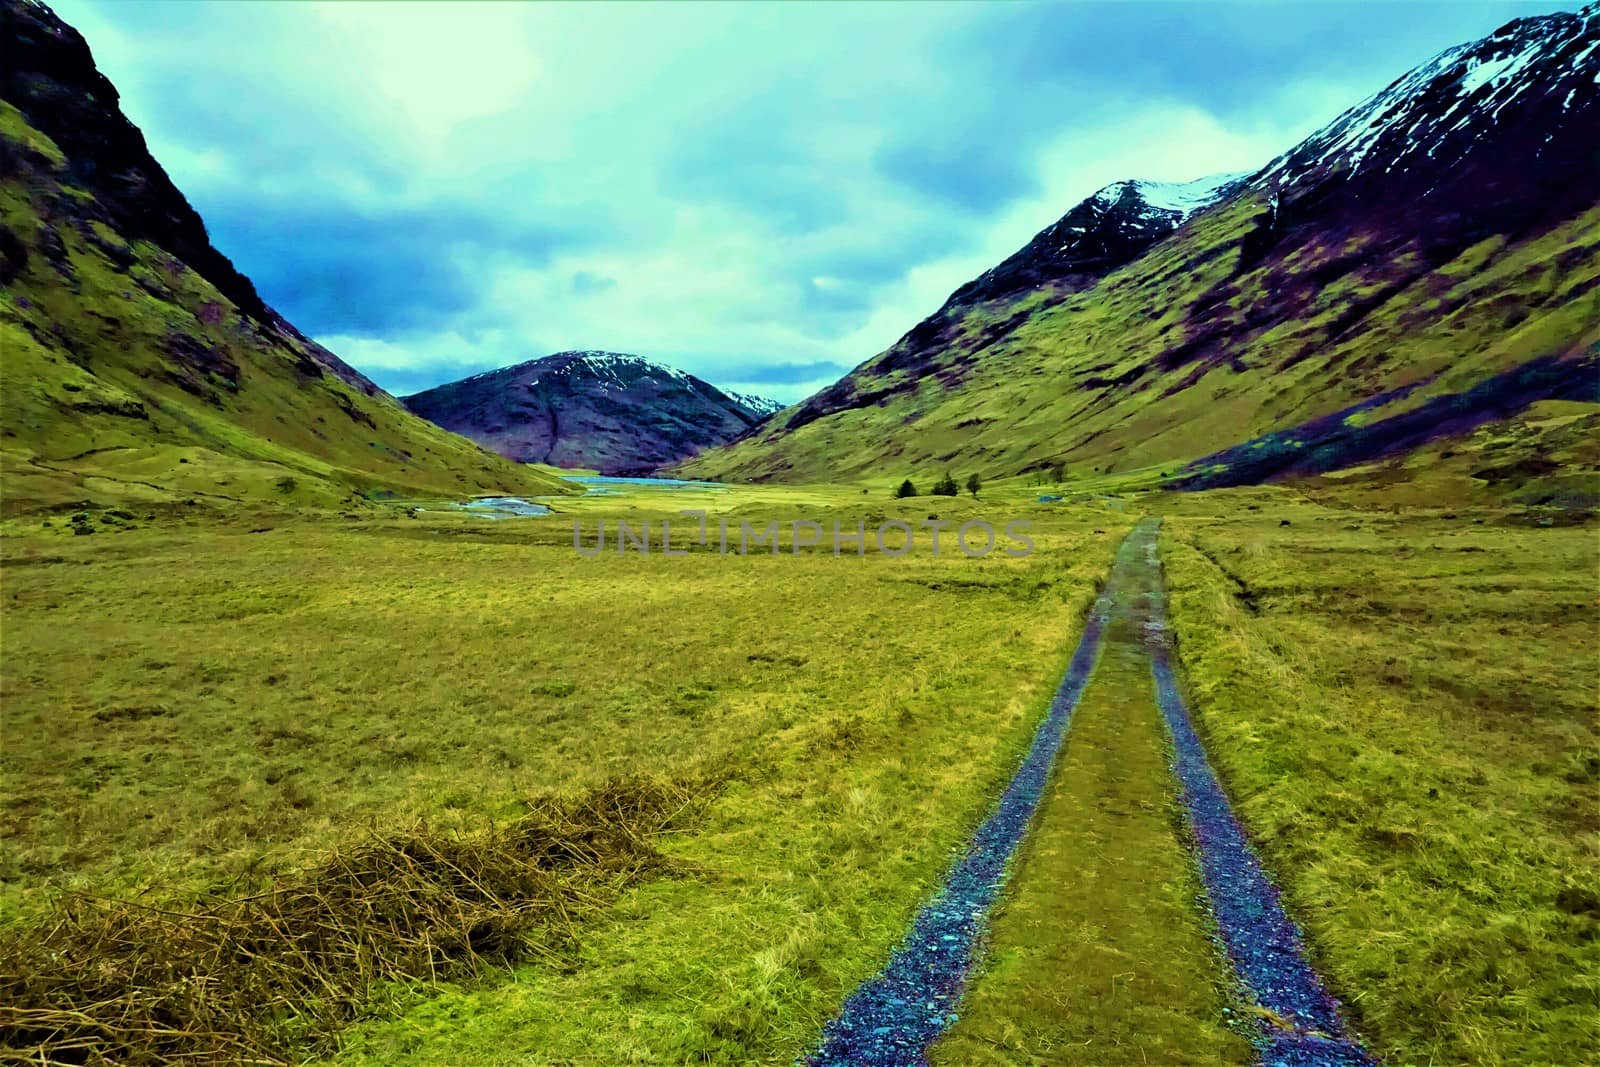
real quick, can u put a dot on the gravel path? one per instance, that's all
(892, 1019)
(1261, 940)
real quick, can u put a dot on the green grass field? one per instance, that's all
(254, 695)
(1402, 707)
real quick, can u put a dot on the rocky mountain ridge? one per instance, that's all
(610, 411)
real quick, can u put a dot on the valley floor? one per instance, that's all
(1400, 706)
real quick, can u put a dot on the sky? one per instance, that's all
(762, 195)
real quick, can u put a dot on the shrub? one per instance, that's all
(263, 974)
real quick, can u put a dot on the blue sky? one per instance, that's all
(763, 195)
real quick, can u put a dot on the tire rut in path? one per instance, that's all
(1302, 1024)
(893, 1018)
(1096, 954)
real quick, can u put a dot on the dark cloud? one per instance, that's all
(900, 248)
(833, 298)
(338, 269)
(1225, 58)
(755, 157)
(980, 175)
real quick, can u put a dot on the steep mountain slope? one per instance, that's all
(139, 364)
(1443, 232)
(617, 413)
(1111, 228)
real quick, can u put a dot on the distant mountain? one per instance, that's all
(759, 406)
(617, 413)
(1427, 261)
(140, 365)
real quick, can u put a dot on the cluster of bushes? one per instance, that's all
(945, 486)
(82, 523)
(1054, 474)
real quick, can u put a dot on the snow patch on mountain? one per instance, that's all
(1432, 112)
(1186, 198)
(759, 406)
(1151, 206)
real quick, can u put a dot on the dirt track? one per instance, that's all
(896, 1017)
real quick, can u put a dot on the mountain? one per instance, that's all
(759, 406)
(616, 413)
(1431, 256)
(140, 365)
(1114, 226)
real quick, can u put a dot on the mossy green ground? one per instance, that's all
(190, 698)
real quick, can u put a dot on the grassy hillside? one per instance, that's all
(1195, 347)
(1426, 263)
(128, 378)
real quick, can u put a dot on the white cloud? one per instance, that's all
(441, 64)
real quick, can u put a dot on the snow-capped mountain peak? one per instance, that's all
(1182, 199)
(1436, 113)
(1105, 230)
(759, 406)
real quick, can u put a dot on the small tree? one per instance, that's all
(974, 483)
(1058, 472)
(906, 489)
(946, 486)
